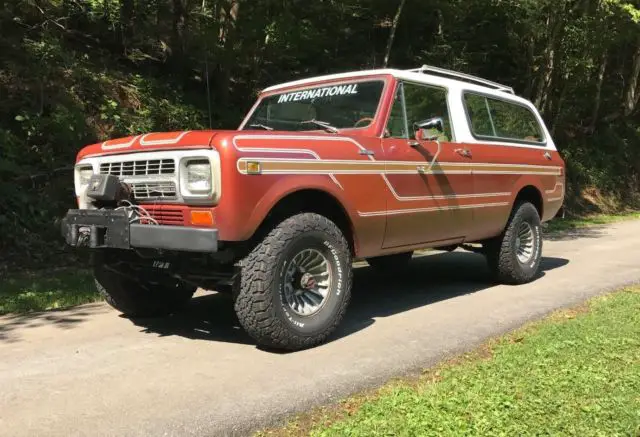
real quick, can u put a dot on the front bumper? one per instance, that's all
(100, 228)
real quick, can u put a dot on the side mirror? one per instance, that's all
(424, 130)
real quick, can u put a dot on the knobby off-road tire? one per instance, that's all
(265, 304)
(514, 257)
(389, 263)
(138, 298)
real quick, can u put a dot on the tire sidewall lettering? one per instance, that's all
(338, 263)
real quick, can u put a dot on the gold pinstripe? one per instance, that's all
(322, 166)
(369, 165)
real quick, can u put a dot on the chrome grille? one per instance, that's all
(154, 190)
(139, 168)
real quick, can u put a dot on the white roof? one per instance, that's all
(407, 75)
(443, 78)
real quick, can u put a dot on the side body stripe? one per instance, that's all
(316, 165)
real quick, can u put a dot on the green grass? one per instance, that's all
(46, 290)
(568, 224)
(576, 373)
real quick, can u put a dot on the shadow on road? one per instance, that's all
(63, 319)
(427, 280)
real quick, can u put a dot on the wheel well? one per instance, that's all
(310, 200)
(531, 194)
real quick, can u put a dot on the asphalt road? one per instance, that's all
(89, 372)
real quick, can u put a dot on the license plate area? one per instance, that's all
(97, 229)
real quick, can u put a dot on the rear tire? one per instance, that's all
(390, 262)
(295, 285)
(514, 257)
(137, 298)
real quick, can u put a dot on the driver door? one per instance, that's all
(423, 204)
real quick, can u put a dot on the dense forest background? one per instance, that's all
(76, 71)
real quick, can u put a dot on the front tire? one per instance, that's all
(514, 257)
(135, 297)
(295, 285)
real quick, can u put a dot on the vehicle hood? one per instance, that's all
(151, 141)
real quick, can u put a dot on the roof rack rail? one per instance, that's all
(444, 72)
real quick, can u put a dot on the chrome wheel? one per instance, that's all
(307, 282)
(525, 243)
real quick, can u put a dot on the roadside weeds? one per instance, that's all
(559, 225)
(46, 290)
(576, 372)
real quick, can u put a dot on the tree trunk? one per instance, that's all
(632, 95)
(178, 26)
(555, 26)
(228, 18)
(531, 59)
(126, 22)
(392, 35)
(557, 118)
(105, 11)
(597, 101)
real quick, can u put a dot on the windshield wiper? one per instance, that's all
(323, 124)
(261, 126)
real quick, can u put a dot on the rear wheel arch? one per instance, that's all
(531, 194)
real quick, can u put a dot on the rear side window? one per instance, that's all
(501, 120)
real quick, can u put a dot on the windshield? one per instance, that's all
(346, 105)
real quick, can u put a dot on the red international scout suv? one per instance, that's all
(367, 165)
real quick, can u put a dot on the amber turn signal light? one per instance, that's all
(253, 167)
(201, 218)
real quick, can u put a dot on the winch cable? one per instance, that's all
(136, 213)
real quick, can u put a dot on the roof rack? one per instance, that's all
(444, 72)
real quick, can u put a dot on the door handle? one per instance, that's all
(547, 155)
(367, 152)
(463, 152)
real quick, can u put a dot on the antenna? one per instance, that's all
(473, 79)
(206, 69)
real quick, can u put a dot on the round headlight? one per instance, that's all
(199, 177)
(84, 174)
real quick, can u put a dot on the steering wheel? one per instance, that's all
(369, 119)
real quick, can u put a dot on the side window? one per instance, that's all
(503, 120)
(478, 110)
(424, 102)
(514, 121)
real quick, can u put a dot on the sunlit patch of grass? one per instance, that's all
(574, 373)
(46, 290)
(567, 224)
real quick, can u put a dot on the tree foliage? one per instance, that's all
(76, 71)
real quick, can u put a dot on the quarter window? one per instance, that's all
(397, 124)
(502, 120)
